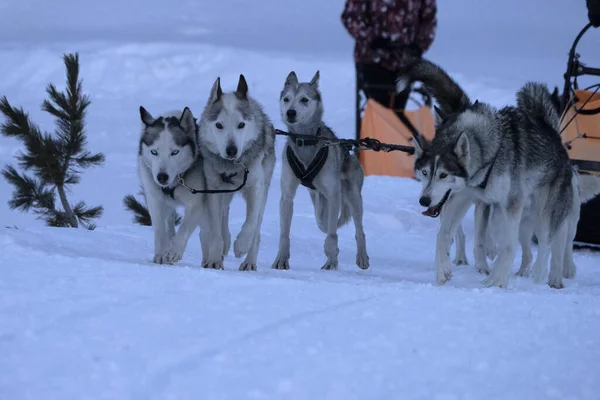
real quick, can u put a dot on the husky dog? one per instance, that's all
(502, 158)
(237, 142)
(333, 175)
(168, 152)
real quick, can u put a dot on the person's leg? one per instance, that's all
(378, 83)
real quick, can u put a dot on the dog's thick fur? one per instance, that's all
(234, 132)
(168, 149)
(506, 159)
(338, 194)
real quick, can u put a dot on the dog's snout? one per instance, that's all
(231, 150)
(291, 113)
(425, 201)
(162, 178)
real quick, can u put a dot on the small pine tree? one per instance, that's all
(141, 215)
(55, 160)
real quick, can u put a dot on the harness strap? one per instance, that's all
(307, 175)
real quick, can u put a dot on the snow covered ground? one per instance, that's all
(86, 315)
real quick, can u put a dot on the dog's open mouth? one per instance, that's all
(435, 211)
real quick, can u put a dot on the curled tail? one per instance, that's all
(448, 94)
(537, 107)
(589, 186)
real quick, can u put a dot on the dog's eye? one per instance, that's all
(424, 172)
(304, 100)
(174, 152)
(219, 125)
(286, 100)
(241, 125)
(443, 175)
(154, 152)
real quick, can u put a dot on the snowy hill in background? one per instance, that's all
(86, 315)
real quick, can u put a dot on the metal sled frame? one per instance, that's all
(575, 69)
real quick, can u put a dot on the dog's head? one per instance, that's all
(441, 166)
(300, 102)
(168, 144)
(229, 121)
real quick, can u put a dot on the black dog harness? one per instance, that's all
(308, 174)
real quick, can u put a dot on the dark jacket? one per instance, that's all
(392, 33)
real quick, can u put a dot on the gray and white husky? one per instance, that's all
(236, 135)
(336, 189)
(168, 153)
(503, 158)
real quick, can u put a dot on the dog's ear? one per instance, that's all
(242, 89)
(187, 121)
(440, 115)
(291, 79)
(215, 92)
(315, 80)
(419, 144)
(462, 148)
(146, 117)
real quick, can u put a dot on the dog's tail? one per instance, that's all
(448, 94)
(321, 205)
(537, 107)
(589, 186)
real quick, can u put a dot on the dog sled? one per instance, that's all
(381, 122)
(580, 132)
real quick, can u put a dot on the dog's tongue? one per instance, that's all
(432, 212)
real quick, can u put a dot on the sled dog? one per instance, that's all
(237, 143)
(503, 158)
(167, 153)
(332, 174)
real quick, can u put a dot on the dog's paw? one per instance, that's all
(569, 271)
(242, 243)
(556, 283)
(483, 269)
(523, 272)
(282, 263)
(159, 259)
(173, 254)
(330, 265)
(443, 274)
(362, 260)
(461, 260)
(247, 266)
(493, 280)
(213, 265)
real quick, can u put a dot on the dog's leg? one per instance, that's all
(289, 187)
(555, 279)
(225, 229)
(215, 252)
(525, 234)
(482, 237)
(171, 224)
(249, 263)
(191, 219)
(356, 208)
(505, 222)
(254, 200)
(333, 192)
(450, 218)
(158, 214)
(570, 269)
(461, 254)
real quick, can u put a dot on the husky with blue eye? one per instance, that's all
(168, 153)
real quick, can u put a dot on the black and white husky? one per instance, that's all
(167, 156)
